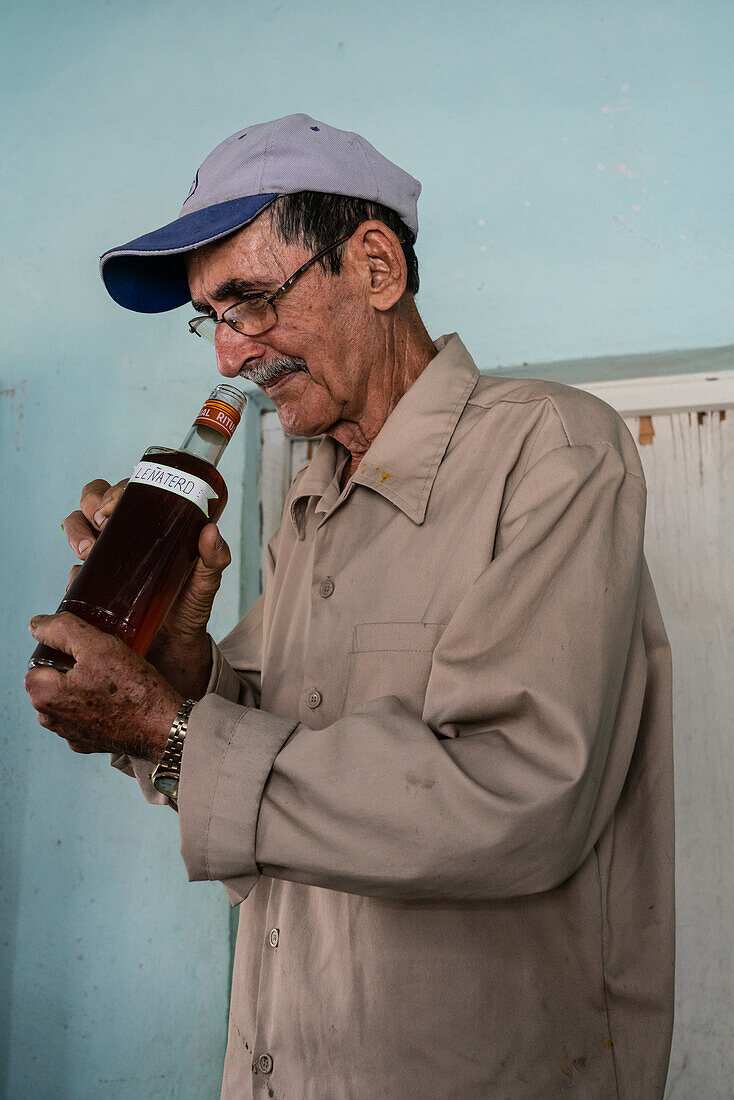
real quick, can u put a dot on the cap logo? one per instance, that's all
(314, 127)
(241, 137)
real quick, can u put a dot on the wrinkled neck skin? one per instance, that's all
(399, 350)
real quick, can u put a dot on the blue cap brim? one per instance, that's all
(148, 275)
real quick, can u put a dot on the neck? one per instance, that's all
(405, 352)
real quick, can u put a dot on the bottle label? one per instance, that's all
(218, 414)
(175, 481)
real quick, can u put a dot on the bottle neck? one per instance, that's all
(204, 442)
(212, 430)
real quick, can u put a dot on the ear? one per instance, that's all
(378, 255)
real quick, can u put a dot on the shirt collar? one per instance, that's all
(402, 463)
(319, 479)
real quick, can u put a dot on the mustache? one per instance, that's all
(262, 374)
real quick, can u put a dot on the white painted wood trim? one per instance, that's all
(671, 393)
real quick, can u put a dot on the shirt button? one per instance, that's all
(265, 1063)
(314, 699)
(326, 588)
(274, 937)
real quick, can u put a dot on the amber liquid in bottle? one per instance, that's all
(149, 545)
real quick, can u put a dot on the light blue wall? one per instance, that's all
(577, 167)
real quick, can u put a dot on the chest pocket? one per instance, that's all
(391, 659)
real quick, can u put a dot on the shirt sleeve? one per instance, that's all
(505, 782)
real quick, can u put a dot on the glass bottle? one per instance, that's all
(149, 545)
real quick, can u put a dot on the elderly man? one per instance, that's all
(433, 762)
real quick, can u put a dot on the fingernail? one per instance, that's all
(99, 517)
(83, 546)
(220, 542)
(35, 621)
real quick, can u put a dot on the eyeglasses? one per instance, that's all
(256, 313)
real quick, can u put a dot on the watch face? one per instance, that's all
(167, 784)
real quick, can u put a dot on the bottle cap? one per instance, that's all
(223, 410)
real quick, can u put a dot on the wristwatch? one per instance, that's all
(167, 774)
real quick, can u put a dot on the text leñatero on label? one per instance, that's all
(174, 481)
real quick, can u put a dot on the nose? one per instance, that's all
(234, 350)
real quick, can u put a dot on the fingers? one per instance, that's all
(81, 746)
(92, 496)
(72, 575)
(97, 503)
(53, 723)
(109, 503)
(214, 557)
(213, 550)
(79, 526)
(190, 614)
(80, 534)
(41, 685)
(66, 632)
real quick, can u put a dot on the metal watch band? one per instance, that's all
(170, 763)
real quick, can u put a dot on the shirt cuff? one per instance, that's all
(141, 770)
(223, 680)
(227, 757)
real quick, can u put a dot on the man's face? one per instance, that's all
(323, 328)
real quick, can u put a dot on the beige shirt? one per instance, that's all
(435, 765)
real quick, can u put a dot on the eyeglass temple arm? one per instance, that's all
(305, 267)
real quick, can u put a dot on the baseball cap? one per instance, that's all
(235, 183)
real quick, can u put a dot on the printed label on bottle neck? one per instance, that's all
(218, 414)
(175, 481)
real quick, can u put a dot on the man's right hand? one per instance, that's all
(181, 649)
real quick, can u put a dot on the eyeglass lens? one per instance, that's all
(250, 318)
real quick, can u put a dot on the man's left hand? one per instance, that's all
(112, 700)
